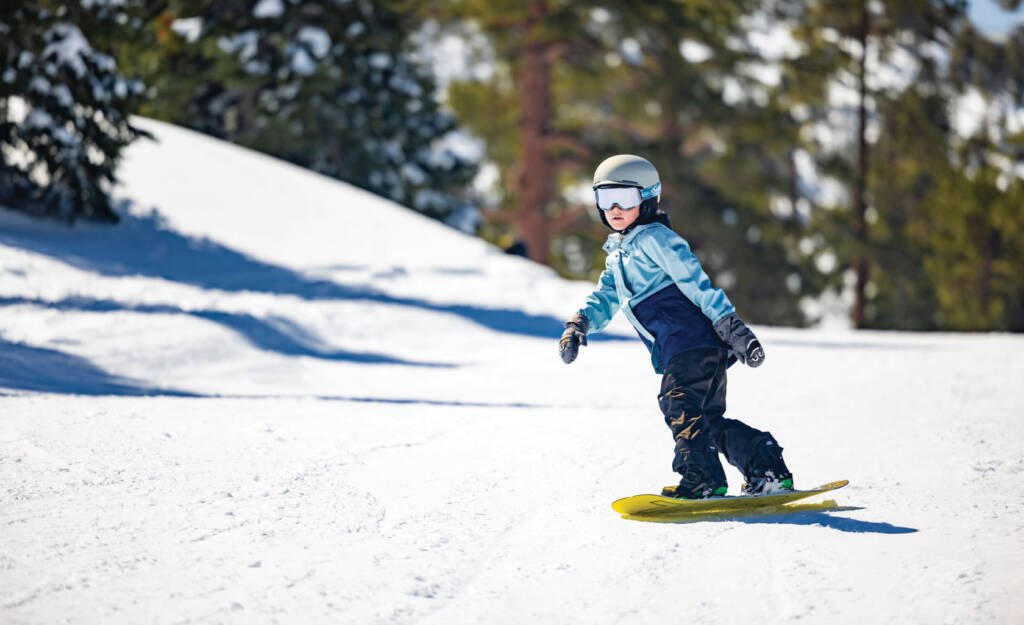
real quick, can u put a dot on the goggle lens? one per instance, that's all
(625, 197)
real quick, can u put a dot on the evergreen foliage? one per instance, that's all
(330, 85)
(63, 109)
(974, 248)
(876, 126)
(620, 81)
(724, 145)
(524, 109)
(918, 251)
(804, 146)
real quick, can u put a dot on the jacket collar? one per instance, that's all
(617, 240)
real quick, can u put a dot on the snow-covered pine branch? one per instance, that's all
(63, 115)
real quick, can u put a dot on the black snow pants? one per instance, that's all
(693, 401)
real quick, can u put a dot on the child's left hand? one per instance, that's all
(738, 336)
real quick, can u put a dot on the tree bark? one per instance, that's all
(535, 181)
(861, 261)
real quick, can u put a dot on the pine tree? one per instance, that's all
(871, 80)
(975, 246)
(520, 110)
(63, 110)
(333, 86)
(727, 141)
(971, 229)
(645, 78)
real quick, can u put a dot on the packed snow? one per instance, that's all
(270, 397)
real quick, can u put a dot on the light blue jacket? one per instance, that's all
(640, 267)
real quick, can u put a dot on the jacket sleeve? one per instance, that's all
(672, 253)
(603, 303)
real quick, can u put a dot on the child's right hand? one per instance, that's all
(575, 335)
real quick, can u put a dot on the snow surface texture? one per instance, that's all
(269, 397)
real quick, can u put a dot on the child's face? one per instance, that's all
(621, 219)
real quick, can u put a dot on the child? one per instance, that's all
(690, 328)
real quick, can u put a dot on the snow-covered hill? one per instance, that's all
(267, 396)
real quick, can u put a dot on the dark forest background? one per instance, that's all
(866, 153)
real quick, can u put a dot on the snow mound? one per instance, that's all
(259, 268)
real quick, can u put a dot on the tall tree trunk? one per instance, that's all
(989, 252)
(861, 261)
(535, 182)
(667, 151)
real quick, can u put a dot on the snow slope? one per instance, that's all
(269, 397)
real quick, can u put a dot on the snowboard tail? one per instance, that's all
(648, 506)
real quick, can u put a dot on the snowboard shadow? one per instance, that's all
(792, 514)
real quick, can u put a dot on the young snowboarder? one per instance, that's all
(690, 328)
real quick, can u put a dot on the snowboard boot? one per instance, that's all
(701, 481)
(766, 472)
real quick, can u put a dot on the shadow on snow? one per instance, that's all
(823, 518)
(275, 334)
(145, 245)
(813, 343)
(402, 401)
(29, 368)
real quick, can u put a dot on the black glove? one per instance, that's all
(575, 335)
(738, 336)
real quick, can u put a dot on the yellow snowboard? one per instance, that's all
(655, 506)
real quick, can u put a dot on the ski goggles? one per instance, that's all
(625, 198)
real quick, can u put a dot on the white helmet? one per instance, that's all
(629, 169)
(632, 171)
